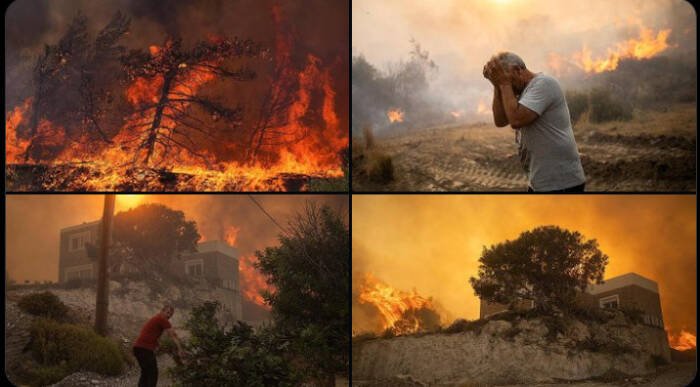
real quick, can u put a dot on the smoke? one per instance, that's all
(432, 243)
(34, 222)
(317, 27)
(462, 35)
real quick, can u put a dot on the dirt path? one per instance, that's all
(129, 379)
(484, 158)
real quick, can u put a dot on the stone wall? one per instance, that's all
(521, 351)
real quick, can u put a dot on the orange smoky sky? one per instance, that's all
(431, 243)
(461, 35)
(33, 222)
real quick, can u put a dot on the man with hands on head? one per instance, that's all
(534, 105)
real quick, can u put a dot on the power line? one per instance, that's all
(266, 213)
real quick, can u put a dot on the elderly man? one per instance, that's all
(147, 342)
(534, 105)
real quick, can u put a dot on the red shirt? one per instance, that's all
(151, 331)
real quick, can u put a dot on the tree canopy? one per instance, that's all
(310, 277)
(150, 236)
(547, 265)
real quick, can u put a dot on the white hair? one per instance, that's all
(509, 59)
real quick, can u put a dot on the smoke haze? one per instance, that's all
(462, 35)
(34, 222)
(432, 243)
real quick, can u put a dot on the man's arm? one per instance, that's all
(517, 114)
(173, 335)
(499, 114)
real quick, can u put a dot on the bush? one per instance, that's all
(44, 304)
(461, 325)
(71, 348)
(235, 356)
(604, 107)
(381, 169)
(577, 103)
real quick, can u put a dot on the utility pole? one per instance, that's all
(102, 274)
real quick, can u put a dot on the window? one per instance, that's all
(194, 268)
(610, 302)
(78, 240)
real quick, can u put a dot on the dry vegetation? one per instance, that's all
(652, 151)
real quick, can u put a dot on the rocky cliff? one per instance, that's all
(524, 350)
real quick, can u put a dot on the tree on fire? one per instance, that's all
(168, 118)
(149, 237)
(73, 85)
(547, 265)
(309, 273)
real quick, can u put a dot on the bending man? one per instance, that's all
(146, 344)
(534, 105)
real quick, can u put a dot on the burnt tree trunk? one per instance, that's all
(150, 142)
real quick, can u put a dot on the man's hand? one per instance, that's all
(497, 74)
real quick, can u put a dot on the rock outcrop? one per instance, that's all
(513, 352)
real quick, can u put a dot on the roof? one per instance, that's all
(81, 226)
(622, 281)
(217, 246)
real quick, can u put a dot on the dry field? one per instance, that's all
(655, 151)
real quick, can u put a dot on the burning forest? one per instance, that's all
(99, 108)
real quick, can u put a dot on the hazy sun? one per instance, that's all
(125, 202)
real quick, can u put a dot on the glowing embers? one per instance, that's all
(395, 115)
(401, 312)
(682, 341)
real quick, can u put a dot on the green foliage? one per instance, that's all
(62, 349)
(547, 265)
(380, 168)
(605, 107)
(577, 103)
(150, 235)
(231, 356)
(310, 275)
(44, 304)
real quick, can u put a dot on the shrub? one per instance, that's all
(604, 107)
(71, 348)
(462, 325)
(577, 103)
(235, 356)
(381, 169)
(44, 304)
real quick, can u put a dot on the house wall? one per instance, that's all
(636, 297)
(68, 257)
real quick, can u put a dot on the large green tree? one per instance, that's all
(309, 274)
(150, 236)
(547, 265)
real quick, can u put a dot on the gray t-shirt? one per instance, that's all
(550, 148)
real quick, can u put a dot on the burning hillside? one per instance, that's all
(222, 113)
(395, 310)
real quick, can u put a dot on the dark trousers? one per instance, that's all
(149, 367)
(575, 189)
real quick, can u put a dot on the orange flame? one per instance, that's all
(15, 146)
(647, 45)
(252, 281)
(231, 235)
(395, 115)
(393, 304)
(307, 148)
(682, 341)
(483, 108)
